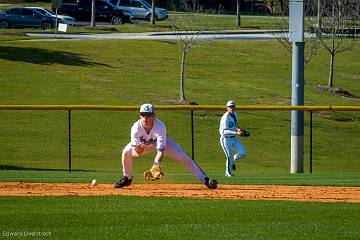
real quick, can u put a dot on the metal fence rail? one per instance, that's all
(91, 137)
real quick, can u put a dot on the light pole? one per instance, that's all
(296, 36)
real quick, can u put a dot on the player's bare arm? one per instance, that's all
(159, 156)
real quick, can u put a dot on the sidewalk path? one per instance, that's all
(223, 35)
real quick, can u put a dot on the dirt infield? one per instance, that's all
(240, 192)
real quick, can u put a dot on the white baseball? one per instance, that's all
(94, 182)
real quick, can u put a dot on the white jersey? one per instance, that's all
(157, 135)
(228, 124)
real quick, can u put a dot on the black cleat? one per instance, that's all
(234, 167)
(210, 183)
(122, 182)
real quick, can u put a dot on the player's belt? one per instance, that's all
(229, 136)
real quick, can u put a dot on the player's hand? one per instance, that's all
(138, 150)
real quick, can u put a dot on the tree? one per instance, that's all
(336, 31)
(281, 33)
(188, 38)
(327, 24)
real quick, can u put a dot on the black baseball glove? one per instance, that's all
(244, 133)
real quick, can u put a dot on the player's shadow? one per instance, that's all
(45, 56)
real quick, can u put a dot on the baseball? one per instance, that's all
(93, 182)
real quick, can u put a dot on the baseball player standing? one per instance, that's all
(228, 138)
(148, 134)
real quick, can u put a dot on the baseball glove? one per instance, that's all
(244, 133)
(155, 173)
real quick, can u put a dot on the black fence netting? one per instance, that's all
(92, 140)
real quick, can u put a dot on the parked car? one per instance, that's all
(25, 17)
(104, 11)
(140, 9)
(64, 19)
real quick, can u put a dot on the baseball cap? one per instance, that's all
(147, 108)
(230, 103)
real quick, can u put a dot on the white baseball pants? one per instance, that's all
(228, 144)
(172, 150)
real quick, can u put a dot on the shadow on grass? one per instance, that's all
(45, 56)
(12, 167)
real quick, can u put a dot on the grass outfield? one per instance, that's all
(172, 218)
(107, 72)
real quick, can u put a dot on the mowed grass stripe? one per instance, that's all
(172, 218)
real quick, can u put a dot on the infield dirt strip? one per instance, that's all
(239, 192)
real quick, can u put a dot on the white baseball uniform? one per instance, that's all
(157, 140)
(229, 141)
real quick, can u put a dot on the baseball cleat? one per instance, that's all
(122, 182)
(234, 167)
(229, 174)
(210, 183)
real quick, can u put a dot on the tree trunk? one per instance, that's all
(331, 73)
(238, 20)
(282, 6)
(319, 13)
(153, 13)
(93, 3)
(182, 89)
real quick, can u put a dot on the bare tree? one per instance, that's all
(281, 33)
(191, 27)
(336, 31)
(330, 24)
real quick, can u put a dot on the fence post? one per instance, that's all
(192, 134)
(69, 138)
(311, 142)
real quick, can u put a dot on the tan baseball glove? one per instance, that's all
(155, 173)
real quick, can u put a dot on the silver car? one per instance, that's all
(140, 9)
(25, 17)
(61, 18)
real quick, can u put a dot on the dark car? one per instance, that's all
(104, 11)
(25, 17)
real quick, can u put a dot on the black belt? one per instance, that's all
(229, 136)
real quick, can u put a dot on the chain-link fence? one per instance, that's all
(92, 138)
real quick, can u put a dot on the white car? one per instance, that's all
(65, 19)
(140, 9)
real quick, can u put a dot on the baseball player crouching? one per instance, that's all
(148, 134)
(228, 138)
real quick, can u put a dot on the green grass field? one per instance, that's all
(107, 72)
(33, 144)
(169, 218)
